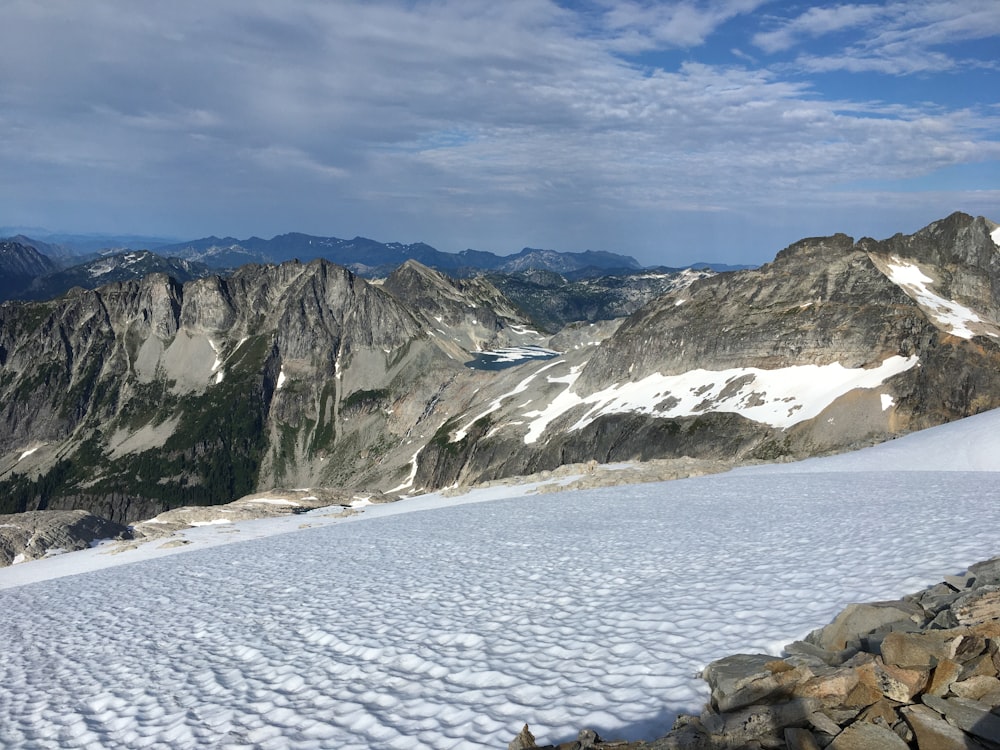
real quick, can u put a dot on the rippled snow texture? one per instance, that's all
(451, 628)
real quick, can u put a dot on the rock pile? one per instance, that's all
(922, 672)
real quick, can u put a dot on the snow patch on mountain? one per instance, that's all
(780, 398)
(498, 402)
(947, 314)
(27, 452)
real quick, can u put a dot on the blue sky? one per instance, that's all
(717, 130)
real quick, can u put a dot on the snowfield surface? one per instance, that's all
(450, 622)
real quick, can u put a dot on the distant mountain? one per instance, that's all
(589, 286)
(373, 259)
(63, 244)
(20, 264)
(112, 267)
(58, 254)
(554, 300)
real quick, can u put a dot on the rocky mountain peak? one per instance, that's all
(815, 249)
(959, 239)
(472, 311)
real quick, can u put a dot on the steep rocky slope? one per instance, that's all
(146, 395)
(149, 394)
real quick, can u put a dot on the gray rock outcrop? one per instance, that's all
(33, 535)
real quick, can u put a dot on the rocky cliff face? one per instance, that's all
(146, 395)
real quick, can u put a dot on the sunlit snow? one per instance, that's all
(217, 364)
(781, 397)
(522, 330)
(28, 452)
(449, 622)
(950, 315)
(498, 401)
(995, 236)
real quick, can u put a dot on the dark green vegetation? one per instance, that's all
(212, 456)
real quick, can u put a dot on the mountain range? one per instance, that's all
(555, 288)
(146, 394)
(365, 257)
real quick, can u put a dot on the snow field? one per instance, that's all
(452, 627)
(781, 397)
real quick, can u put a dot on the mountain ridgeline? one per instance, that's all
(150, 393)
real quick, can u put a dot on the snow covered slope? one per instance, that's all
(970, 444)
(449, 622)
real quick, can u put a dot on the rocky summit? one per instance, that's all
(145, 395)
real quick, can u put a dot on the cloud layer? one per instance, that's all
(631, 126)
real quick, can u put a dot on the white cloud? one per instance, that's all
(895, 38)
(634, 25)
(815, 22)
(463, 123)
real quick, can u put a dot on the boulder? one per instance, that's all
(944, 674)
(976, 687)
(859, 620)
(830, 688)
(917, 650)
(977, 606)
(934, 733)
(895, 683)
(968, 715)
(765, 722)
(864, 736)
(986, 573)
(742, 679)
(800, 739)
